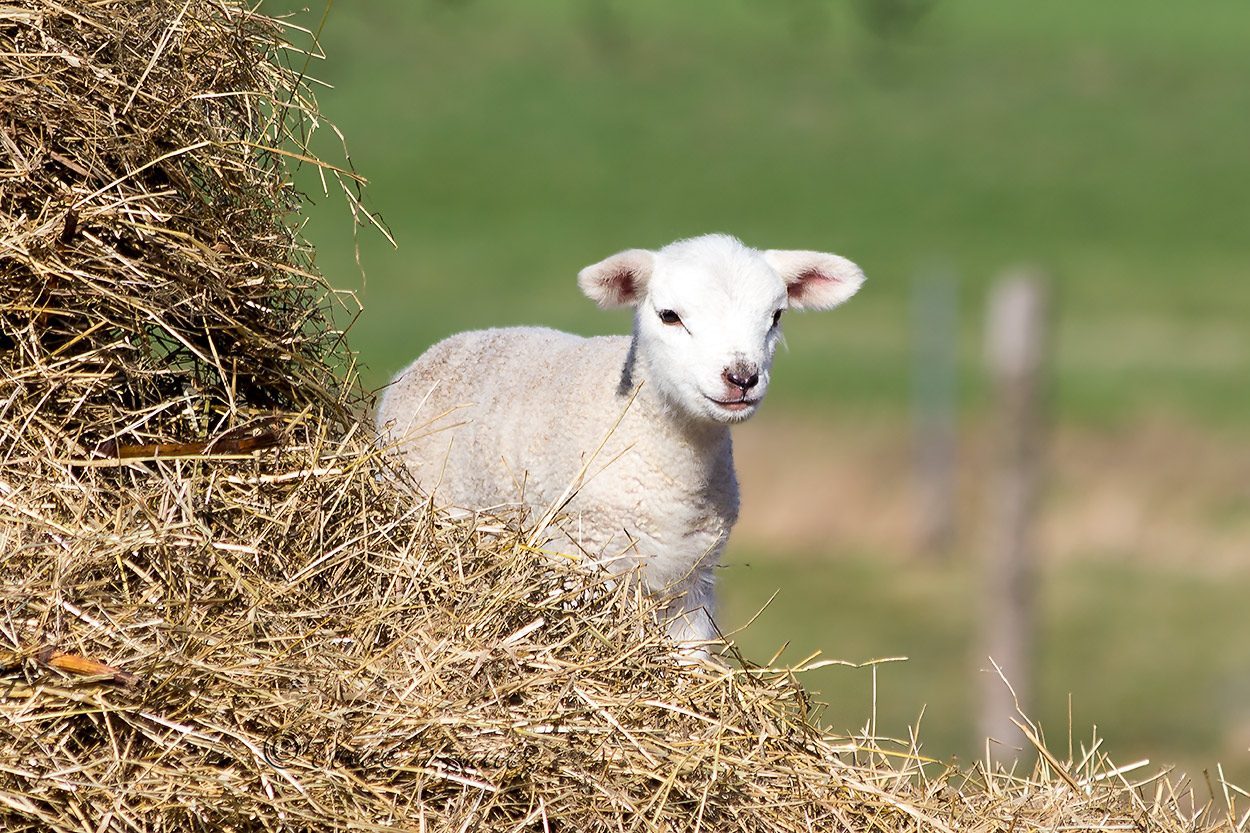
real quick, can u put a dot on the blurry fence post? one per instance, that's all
(1016, 347)
(934, 328)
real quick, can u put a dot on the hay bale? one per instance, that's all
(152, 276)
(219, 610)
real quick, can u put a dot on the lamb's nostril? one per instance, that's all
(744, 383)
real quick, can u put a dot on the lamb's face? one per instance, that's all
(707, 328)
(708, 315)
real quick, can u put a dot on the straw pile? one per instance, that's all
(219, 610)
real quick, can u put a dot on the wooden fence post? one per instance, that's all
(1016, 348)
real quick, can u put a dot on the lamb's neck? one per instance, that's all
(702, 447)
(707, 439)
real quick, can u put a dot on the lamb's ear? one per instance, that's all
(618, 281)
(815, 280)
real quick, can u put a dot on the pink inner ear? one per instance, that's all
(623, 283)
(805, 281)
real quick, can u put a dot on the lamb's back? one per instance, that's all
(487, 415)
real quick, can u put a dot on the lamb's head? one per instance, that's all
(707, 315)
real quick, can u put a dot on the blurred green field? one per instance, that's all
(509, 144)
(1156, 658)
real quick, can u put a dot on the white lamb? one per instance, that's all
(529, 415)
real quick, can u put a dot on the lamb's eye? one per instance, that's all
(669, 317)
(776, 318)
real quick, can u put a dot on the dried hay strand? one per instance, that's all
(220, 607)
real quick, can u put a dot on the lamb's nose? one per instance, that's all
(740, 380)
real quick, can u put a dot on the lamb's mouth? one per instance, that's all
(736, 404)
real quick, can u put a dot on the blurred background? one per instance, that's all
(940, 145)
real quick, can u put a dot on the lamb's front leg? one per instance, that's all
(689, 619)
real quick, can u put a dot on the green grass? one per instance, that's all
(508, 145)
(1158, 659)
